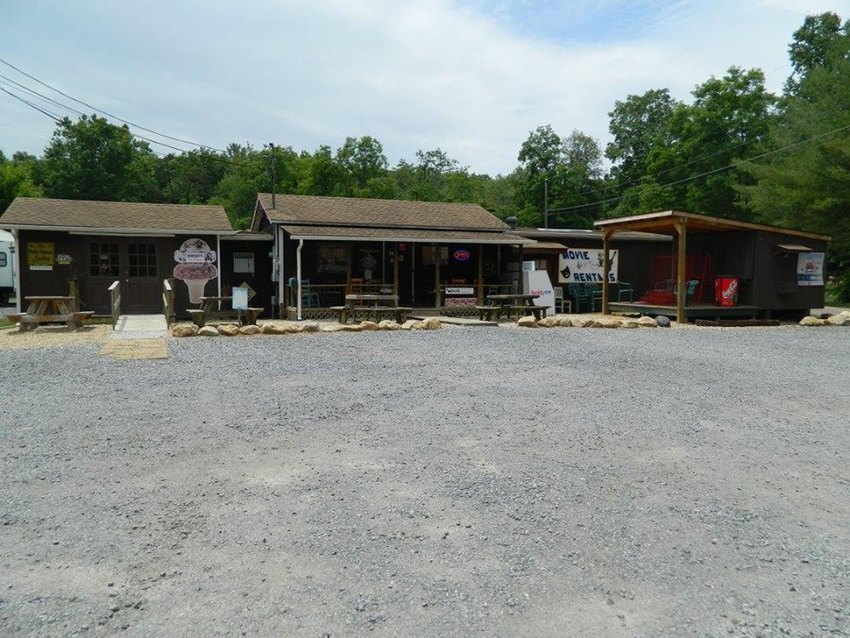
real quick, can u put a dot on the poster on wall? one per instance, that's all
(195, 267)
(243, 263)
(810, 269)
(333, 259)
(40, 255)
(585, 266)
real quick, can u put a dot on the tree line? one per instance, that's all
(734, 150)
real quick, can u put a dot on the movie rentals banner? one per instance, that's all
(585, 266)
(810, 269)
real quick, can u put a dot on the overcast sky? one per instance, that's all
(471, 77)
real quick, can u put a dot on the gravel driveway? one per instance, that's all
(458, 482)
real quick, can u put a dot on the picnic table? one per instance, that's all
(50, 309)
(510, 306)
(210, 305)
(374, 306)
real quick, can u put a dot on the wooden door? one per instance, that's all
(140, 290)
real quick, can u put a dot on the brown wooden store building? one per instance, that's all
(66, 245)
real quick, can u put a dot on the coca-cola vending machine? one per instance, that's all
(726, 291)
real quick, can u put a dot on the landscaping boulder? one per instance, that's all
(812, 321)
(431, 323)
(630, 323)
(527, 322)
(610, 323)
(207, 331)
(310, 326)
(249, 330)
(662, 322)
(564, 321)
(548, 322)
(408, 325)
(368, 325)
(841, 319)
(273, 329)
(647, 322)
(184, 330)
(388, 324)
(228, 330)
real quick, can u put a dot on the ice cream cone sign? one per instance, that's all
(195, 266)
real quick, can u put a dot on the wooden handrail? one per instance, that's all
(115, 301)
(168, 302)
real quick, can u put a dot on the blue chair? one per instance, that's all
(580, 294)
(690, 291)
(625, 291)
(309, 299)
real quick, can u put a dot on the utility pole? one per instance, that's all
(274, 178)
(546, 203)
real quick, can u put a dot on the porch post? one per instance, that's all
(298, 271)
(480, 292)
(18, 250)
(437, 276)
(280, 281)
(218, 252)
(395, 269)
(681, 264)
(606, 268)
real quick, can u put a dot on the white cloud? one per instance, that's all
(414, 75)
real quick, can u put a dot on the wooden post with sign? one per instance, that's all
(479, 292)
(606, 268)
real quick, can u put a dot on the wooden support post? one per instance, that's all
(681, 265)
(436, 276)
(479, 293)
(395, 270)
(606, 268)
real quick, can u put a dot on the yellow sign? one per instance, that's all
(40, 255)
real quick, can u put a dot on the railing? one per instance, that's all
(115, 301)
(168, 301)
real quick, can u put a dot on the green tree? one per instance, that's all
(811, 46)
(93, 159)
(806, 183)
(361, 160)
(16, 181)
(191, 177)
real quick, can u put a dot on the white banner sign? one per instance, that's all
(810, 269)
(463, 290)
(585, 266)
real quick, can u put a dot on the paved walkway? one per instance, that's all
(140, 327)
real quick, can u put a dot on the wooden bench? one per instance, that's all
(16, 317)
(399, 313)
(492, 313)
(248, 316)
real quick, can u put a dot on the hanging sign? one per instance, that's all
(40, 255)
(810, 269)
(585, 266)
(195, 267)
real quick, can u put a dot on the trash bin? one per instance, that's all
(726, 291)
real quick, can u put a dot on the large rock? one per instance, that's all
(310, 326)
(184, 330)
(249, 330)
(273, 329)
(331, 327)
(841, 319)
(408, 325)
(564, 321)
(527, 322)
(351, 327)
(812, 321)
(431, 323)
(630, 323)
(548, 322)
(368, 325)
(647, 322)
(388, 324)
(662, 321)
(207, 331)
(610, 323)
(577, 322)
(228, 330)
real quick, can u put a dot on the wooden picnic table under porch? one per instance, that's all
(375, 307)
(510, 306)
(44, 309)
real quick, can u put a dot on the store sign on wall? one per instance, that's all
(63, 260)
(585, 266)
(40, 255)
(243, 263)
(810, 269)
(461, 254)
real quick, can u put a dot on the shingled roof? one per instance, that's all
(382, 213)
(70, 214)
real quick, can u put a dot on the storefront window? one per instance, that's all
(103, 259)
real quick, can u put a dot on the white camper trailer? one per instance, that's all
(7, 266)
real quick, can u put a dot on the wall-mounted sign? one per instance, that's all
(810, 269)
(585, 266)
(461, 254)
(243, 263)
(40, 255)
(459, 301)
(63, 260)
(195, 266)
(459, 291)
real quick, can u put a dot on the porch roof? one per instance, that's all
(409, 235)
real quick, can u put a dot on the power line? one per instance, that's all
(716, 170)
(115, 117)
(52, 116)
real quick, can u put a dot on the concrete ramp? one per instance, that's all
(140, 327)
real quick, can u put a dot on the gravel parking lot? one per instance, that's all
(457, 482)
